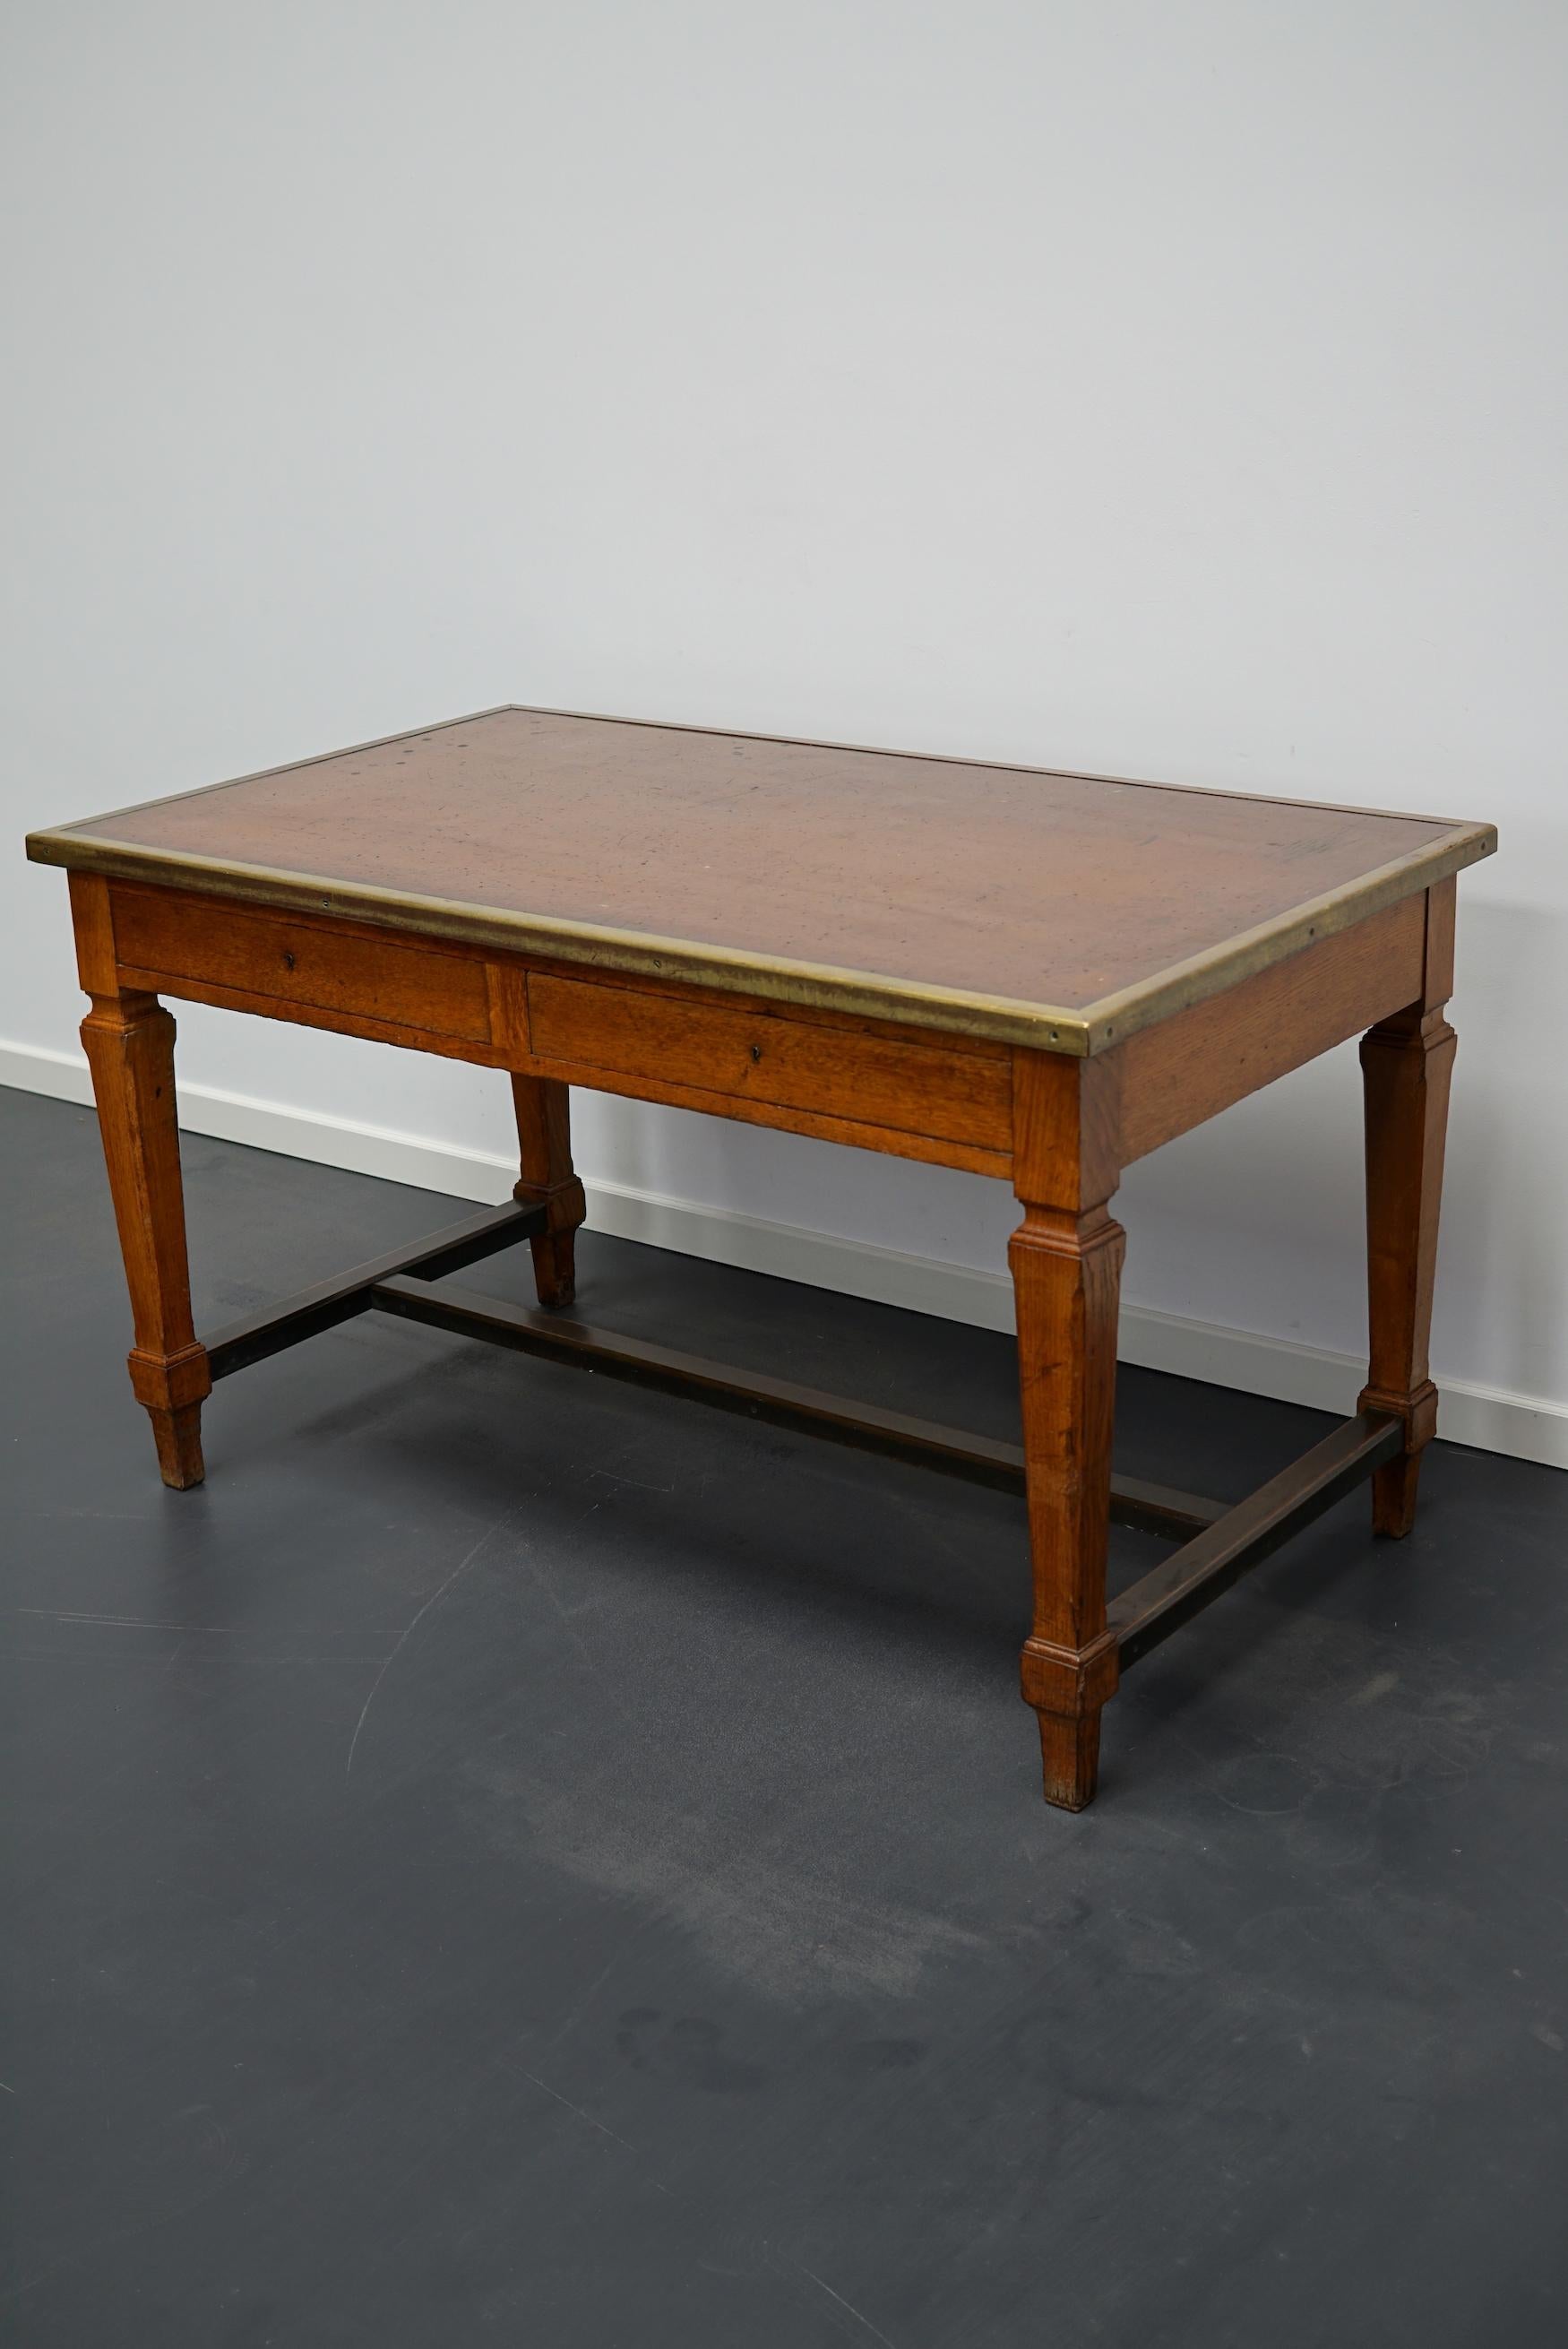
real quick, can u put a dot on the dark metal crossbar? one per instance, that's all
(980, 1459)
(1174, 1592)
(312, 1310)
(1218, 1544)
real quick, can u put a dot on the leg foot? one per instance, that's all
(555, 1266)
(177, 1435)
(1067, 1688)
(1069, 1750)
(1393, 1485)
(1394, 1496)
(172, 1389)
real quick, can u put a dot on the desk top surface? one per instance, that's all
(1055, 909)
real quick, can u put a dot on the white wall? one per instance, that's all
(1175, 390)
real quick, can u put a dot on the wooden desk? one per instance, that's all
(1033, 976)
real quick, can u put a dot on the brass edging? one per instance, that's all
(1114, 1018)
(820, 985)
(1076, 1030)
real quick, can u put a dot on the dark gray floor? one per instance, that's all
(517, 1858)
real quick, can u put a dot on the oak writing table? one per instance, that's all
(1034, 976)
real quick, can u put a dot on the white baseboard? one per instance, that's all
(1525, 1427)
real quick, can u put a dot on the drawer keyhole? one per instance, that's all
(756, 1052)
(288, 959)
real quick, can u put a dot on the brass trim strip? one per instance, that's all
(1076, 1031)
(820, 985)
(1180, 985)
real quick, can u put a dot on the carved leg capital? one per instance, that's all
(1069, 1680)
(1418, 1411)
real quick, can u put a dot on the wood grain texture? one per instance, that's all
(983, 874)
(1065, 1280)
(129, 1043)
(891, 1141)
(308, 965)
(1407, 1064)
(548, 1180)
(835, 875)
(1066, 1128)
(762, 1055)
(309, 1015)
(92, 922)
(1066, 1261)
(506, 982)
(689, 1048)
(1191, 1067)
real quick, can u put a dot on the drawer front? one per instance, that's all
(270, 955)
(939, 1090)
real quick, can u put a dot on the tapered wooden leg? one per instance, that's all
(1066, 1259)
(1066, 1278)
(544, 1141)
(1406, 1064)
(129, 1044)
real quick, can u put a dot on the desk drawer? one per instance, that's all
(272, 955)
(952, 1092)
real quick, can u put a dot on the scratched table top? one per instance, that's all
(1005, 901)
